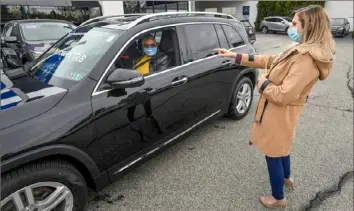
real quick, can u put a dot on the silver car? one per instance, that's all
(275, 24)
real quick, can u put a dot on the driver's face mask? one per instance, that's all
(150, 49)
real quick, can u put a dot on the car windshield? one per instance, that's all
(288, 19)
(246, 23)
(74, 56)
(38, 31)
(337, 21)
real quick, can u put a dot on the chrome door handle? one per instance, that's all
(179, 82)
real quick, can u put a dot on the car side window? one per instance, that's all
(14, 32)
(201, 40)
(222, 37)
(136, 55)
(8, 31)
(233, 37)
(278, 20)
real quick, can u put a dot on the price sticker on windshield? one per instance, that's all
(78, 57)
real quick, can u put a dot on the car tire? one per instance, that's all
(286, 30)
(265, 30)
(235, 112)
(57, 180)
(343, 34)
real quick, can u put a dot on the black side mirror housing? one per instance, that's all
(10, 58)
(125, 78)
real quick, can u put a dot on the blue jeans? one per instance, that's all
(278, 168)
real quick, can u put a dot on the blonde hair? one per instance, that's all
(317, 30)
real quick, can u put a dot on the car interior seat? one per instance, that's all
(169, 46)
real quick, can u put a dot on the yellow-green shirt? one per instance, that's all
(143, 69)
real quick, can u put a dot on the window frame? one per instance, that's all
(153, 31)
(227, 38)
(103, 76)
(279, 20)
(187, 44)
(223, 32)
(10, 26)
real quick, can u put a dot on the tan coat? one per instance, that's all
(292, 76)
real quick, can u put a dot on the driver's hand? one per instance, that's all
(226, 53)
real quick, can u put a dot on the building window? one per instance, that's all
(211, 9)
(229, 11)
(155, 6)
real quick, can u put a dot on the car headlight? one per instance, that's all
(340, 29)
(250, 31)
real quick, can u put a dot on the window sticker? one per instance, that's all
(78, 57)
(75, 76)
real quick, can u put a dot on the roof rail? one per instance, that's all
(110, 16)
(148, 17)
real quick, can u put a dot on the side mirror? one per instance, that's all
(12, 39)
(10, 58)
(283, 22)
(124, 78)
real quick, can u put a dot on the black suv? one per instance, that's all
(79, 116)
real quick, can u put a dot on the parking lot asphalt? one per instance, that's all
(215, 169)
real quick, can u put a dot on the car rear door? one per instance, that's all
(204, 69)
(271, 24)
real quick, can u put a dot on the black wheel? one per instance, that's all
(241, 99)
(46, 185)
(343, 34)
(264, 30)
(286, 30)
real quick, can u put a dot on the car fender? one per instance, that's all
(239, 76)
(53, 150)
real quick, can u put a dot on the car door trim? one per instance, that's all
(165, 143)
(95, 92)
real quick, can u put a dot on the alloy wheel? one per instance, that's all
(243, 98)
(43, 196)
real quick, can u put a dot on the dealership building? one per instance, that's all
(80, 11)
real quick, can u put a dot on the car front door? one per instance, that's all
(133, 122)
(281, 26)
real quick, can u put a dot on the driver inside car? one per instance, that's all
(153, 60)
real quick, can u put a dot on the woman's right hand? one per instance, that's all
(226, 53)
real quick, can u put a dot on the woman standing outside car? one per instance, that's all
(284, 90)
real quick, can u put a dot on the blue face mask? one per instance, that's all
(150, 51)
(294, 35)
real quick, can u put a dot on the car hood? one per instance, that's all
(336, 26)
(24, 97)
(40, 46)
